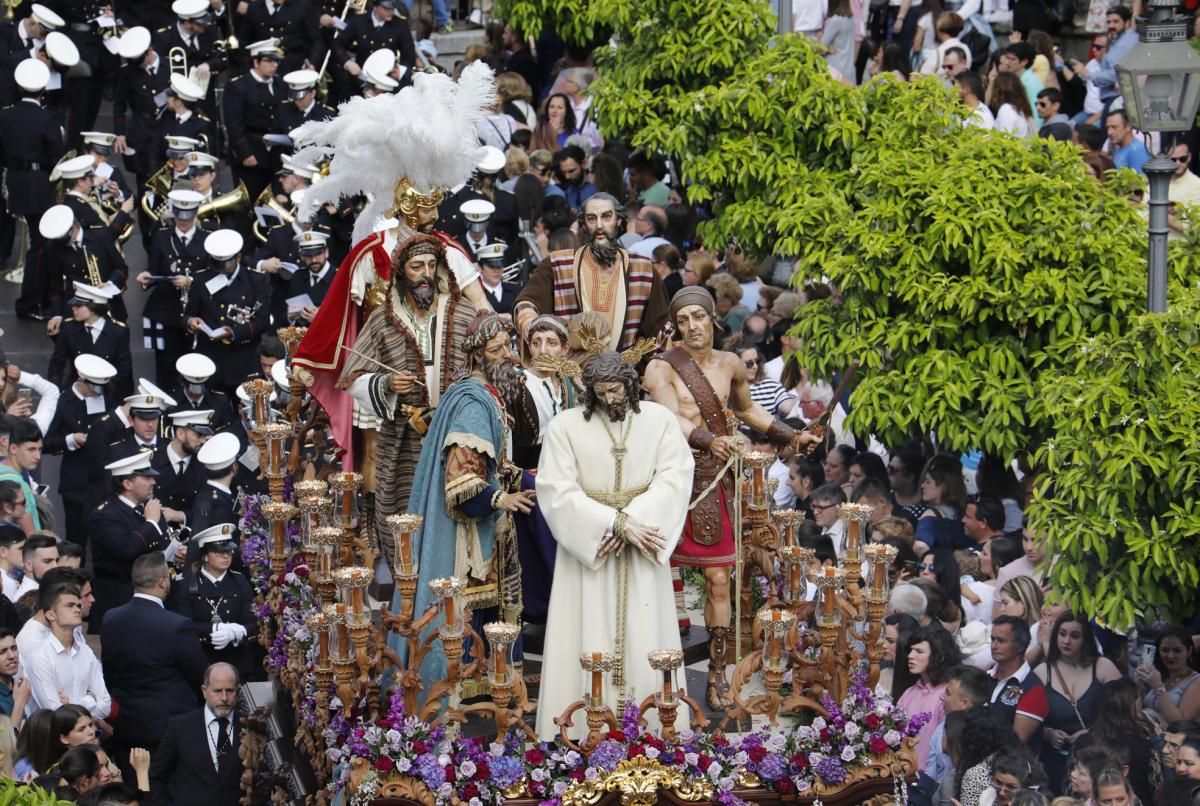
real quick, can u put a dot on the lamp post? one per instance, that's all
(1160, 82)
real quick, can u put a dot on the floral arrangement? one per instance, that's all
(857, 731)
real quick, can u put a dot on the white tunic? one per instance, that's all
(577, 457)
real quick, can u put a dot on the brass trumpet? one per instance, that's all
(177, 61)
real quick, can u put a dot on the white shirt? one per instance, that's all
(28, 583)
(981, 117)
(547, 399)
(176, 459)
(10, 586)
(186, 237)
(496, 291)
(73, 670)
(148, 598)
(48, 395)
(1011, 121)
(29, 640)
(213, 729)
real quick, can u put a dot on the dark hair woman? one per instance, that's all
(922, 671)
(555, 123)
(1171, 680)
(1074, 674)
(1118, 723)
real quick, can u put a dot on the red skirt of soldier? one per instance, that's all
(719, 554)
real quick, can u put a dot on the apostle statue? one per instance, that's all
(697, 383)
(397, 151)
(599, 276)
(464, 485)
(613, 484)
(404, 359)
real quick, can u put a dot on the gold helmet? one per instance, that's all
(408, 199)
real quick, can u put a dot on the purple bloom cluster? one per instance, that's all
(430, 771)
(831, 771)
(607, 755)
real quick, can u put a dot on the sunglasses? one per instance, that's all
(753, 362)
(924, 567)
(1182, 160)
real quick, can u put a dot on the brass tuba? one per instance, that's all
(267, 199)
(234, 201)
(154, 199)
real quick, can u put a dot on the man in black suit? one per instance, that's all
(292, 23)
(152, 662)
(302, 105)
(197, 762)
(18, 38)
(216, 503)
(382, 28)
(81, 405)
(229, 311)
(180, 475)
(493, 259)
(251, 106)
(90, 331)
(126, 526)
(218, 600)
(176, 259)
(315, 275)
(139, 94)
(192, 392)
(77, 253)
(31, 141)
(183, 117)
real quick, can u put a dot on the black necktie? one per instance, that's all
(222, 739)
(94, 331)
(182, 465)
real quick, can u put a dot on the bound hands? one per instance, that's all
(646, 539)
(723, 447)
(806, 441)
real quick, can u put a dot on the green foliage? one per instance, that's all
(14, 794)
(1119, 502)
(977, 274)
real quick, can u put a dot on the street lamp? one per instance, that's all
(1160, 82)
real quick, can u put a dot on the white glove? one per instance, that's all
(221, 636)
(239, 632)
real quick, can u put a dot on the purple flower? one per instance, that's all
(630, 716)
(831, 771)
(506, 771)
(430, 771)
(773, 767)
(607, 755)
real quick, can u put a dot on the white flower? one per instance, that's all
(373, 735)
(802, 784)
(726, 784)
(806, 733)
(573, 758)
(538, 774)
(476, 802)
(776, 742)
(444, 759)
(559, 788)
(394, 737)
(467, 768)
(691, 759)
(848, 753)
(818, 724)
(741, 759)
(496, 750)
(403, 764)
(652, 753)
(591, 773)
(446, 790)
(714, 771)
(892, 737)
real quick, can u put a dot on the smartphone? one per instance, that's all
(1147, 658)
(25, 394)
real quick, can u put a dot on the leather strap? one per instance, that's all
(705, 396)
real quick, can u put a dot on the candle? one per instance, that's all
(260, 408)
(499, 662)
(323, 637)
(597, 682)
(343, 633)
(830, 601)
(880, 575)
(347, 503)
(853, 537)
(668, 689)
(325, 563)
(796, 581)
(775, 617)
(449, 602)
(405, 553)
(274, 461)
(356, 600)
(758, 482)
(277, 530)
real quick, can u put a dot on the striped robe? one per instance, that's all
(388, 340)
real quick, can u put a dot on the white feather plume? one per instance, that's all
(426, 132)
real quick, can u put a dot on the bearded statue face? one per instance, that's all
(417, 279)
(499, 366)
(612, 397)
(694, 326)
(601, 222)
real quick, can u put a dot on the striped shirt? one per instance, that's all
(769, 394)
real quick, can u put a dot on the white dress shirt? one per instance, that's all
(73, 670)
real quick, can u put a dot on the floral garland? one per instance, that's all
(476, 772)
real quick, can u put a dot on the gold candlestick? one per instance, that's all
(260, 391)
(403, 526)
(786, 520)
(278, 514)
(449, 593)
(856, 517)
(758, 462)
